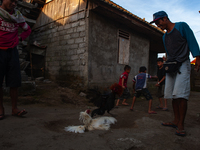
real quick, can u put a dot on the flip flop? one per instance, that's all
(180, 132)
(2, 116)
(165, 109)
(158, 107)
(20, 113)
(153, 112)
(170, 124)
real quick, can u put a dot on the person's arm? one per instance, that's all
(123, 83)
(192, 43)
(133, 87)
(158, 84)
(26, 32)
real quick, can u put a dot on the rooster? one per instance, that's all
(100, 123)
(106, 102)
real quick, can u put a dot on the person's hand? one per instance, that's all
(123, 87)
(197, 64)
(157, 84)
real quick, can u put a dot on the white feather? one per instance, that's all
(85, 118)
(100, 123)
(76, 129)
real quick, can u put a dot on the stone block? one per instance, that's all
(73, 46)
(82, 33)
(55, 34)
(71, 52)
(54, 29)
(82, 56)
(81, 28)
(81, 51)
(81, 45)
(75, 24)
(70, 41)
(71, 30)
(82, 22)
(81, 15)
(67, 26)
(74, 57)
(79, 40)
(66, 37)
(73, 18)
(60, 28)
(74, 35)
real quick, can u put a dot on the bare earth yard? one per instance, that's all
(43, 126)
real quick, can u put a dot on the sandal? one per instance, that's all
(180, 132)
(2, 116)
(165, 109)
(158, 107)
(20, 113)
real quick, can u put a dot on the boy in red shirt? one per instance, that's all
(10, 20)
(123, 82)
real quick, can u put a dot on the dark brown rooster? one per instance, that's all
(106, 102)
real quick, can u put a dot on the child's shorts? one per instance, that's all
(10, 67)
(145, 92)
(160, 92)
(125, 95)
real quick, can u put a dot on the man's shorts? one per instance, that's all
(160, 92)
(145, 92)
(178, 85)
(125, 95)
(10, 67)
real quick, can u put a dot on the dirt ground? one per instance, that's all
(58, 107)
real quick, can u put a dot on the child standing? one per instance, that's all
(140, 88)
(123, 82)
(161, 84)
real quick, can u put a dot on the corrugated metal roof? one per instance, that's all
(111, 3)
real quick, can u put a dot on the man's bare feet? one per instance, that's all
(125, 104)
(152, 112)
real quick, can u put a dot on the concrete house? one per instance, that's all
(92, 40)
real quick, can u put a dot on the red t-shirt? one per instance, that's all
(9, 33)
(125, 77)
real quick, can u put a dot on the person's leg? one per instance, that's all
(182, 113)
(150, 105)
(124, 102)
(1, 104)
(117, 102)
(161, 103)
(126, 96)
(159, 94)
(14, 99)
(134, 98)
(175, 105)
(165, 102)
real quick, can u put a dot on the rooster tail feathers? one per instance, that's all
(76, 129)
(103, 121)
(109, 120)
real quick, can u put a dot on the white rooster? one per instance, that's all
(100, 123)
